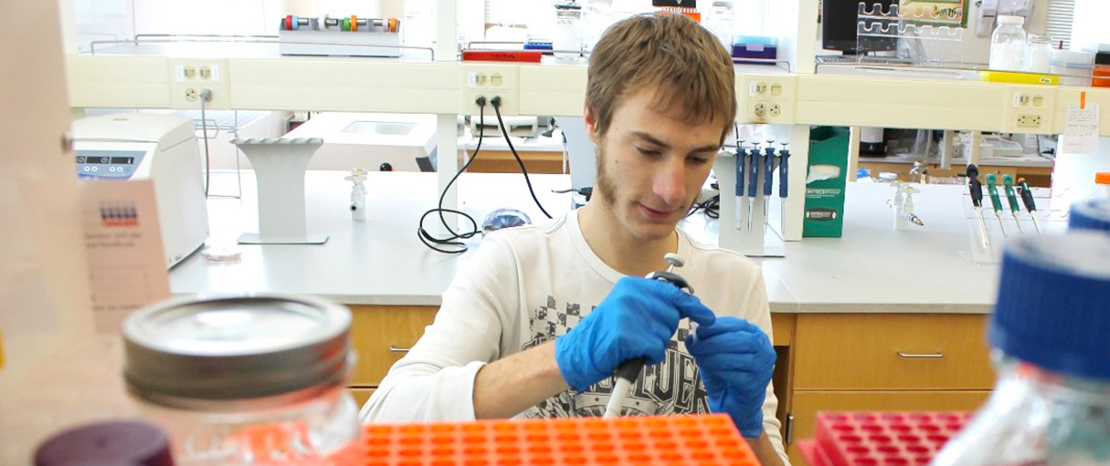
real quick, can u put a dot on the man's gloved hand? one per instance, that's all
(635, 320)
(735, 359)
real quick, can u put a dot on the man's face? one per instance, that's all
(651, 165)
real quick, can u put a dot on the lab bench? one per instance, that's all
(878, 319)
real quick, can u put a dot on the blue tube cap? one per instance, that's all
(1090, 215)
(1053, 307)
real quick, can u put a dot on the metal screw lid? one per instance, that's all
(1090, 215)
(1052, 308)
(235, 347)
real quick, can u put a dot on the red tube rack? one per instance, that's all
(650, 441)
(880, 438)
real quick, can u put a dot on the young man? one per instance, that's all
(544, 314)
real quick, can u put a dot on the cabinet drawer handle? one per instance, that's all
(394, 349)
(920, 356)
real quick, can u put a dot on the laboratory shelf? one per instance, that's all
(145, 76)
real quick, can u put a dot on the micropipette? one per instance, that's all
(753, 181)
(976, 190)
(740, 157)
(784, 154)
(995, 201)
(1008, 186)
(629, 371)
(768, 177)
(1030, 204)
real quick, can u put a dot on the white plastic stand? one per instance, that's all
(758, 241)
(997, 232)
(279, 166)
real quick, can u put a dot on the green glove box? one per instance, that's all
(826, 177)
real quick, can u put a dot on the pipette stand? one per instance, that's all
(279, 167)
(761, 240)
(981, 253)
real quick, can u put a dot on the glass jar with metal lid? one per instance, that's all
(246, 380)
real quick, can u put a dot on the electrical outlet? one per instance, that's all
(1028, 109)
(490, 81)
(1027, 120)
(756, 89)
(189, 76)
(766, 98)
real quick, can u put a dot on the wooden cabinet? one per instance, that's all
(807, 404)
(892, 351)
(382, 335)
(877, 362)
(361, 395)
(502, 161)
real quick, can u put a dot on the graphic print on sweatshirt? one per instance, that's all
(671, 387)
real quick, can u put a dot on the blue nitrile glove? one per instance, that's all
(635, 320)
(735, 359)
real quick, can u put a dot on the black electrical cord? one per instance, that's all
(711, 206)
(496, 102)
(457, 246)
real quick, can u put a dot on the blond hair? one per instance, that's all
(684, 63)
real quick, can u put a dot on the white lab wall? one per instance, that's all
(243, 17)
(1073, 177)
(1089, 23)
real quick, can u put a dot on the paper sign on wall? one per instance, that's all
(1081, 129)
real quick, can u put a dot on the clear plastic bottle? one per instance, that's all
(1008, 44)
(719, 20)
(1051, 404)
(1038, 54)
(246, 380)
(567, 41)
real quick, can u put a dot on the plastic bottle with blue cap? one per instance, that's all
(1049, 329)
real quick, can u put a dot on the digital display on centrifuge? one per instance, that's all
(108, 157)
(106, 160)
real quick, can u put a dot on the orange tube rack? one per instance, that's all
(650, 441)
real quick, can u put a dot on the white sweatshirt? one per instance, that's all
(527, 285)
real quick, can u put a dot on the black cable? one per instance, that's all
(711, 206)
(458, 247)
(496, 102)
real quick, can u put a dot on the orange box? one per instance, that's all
(650, 441)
